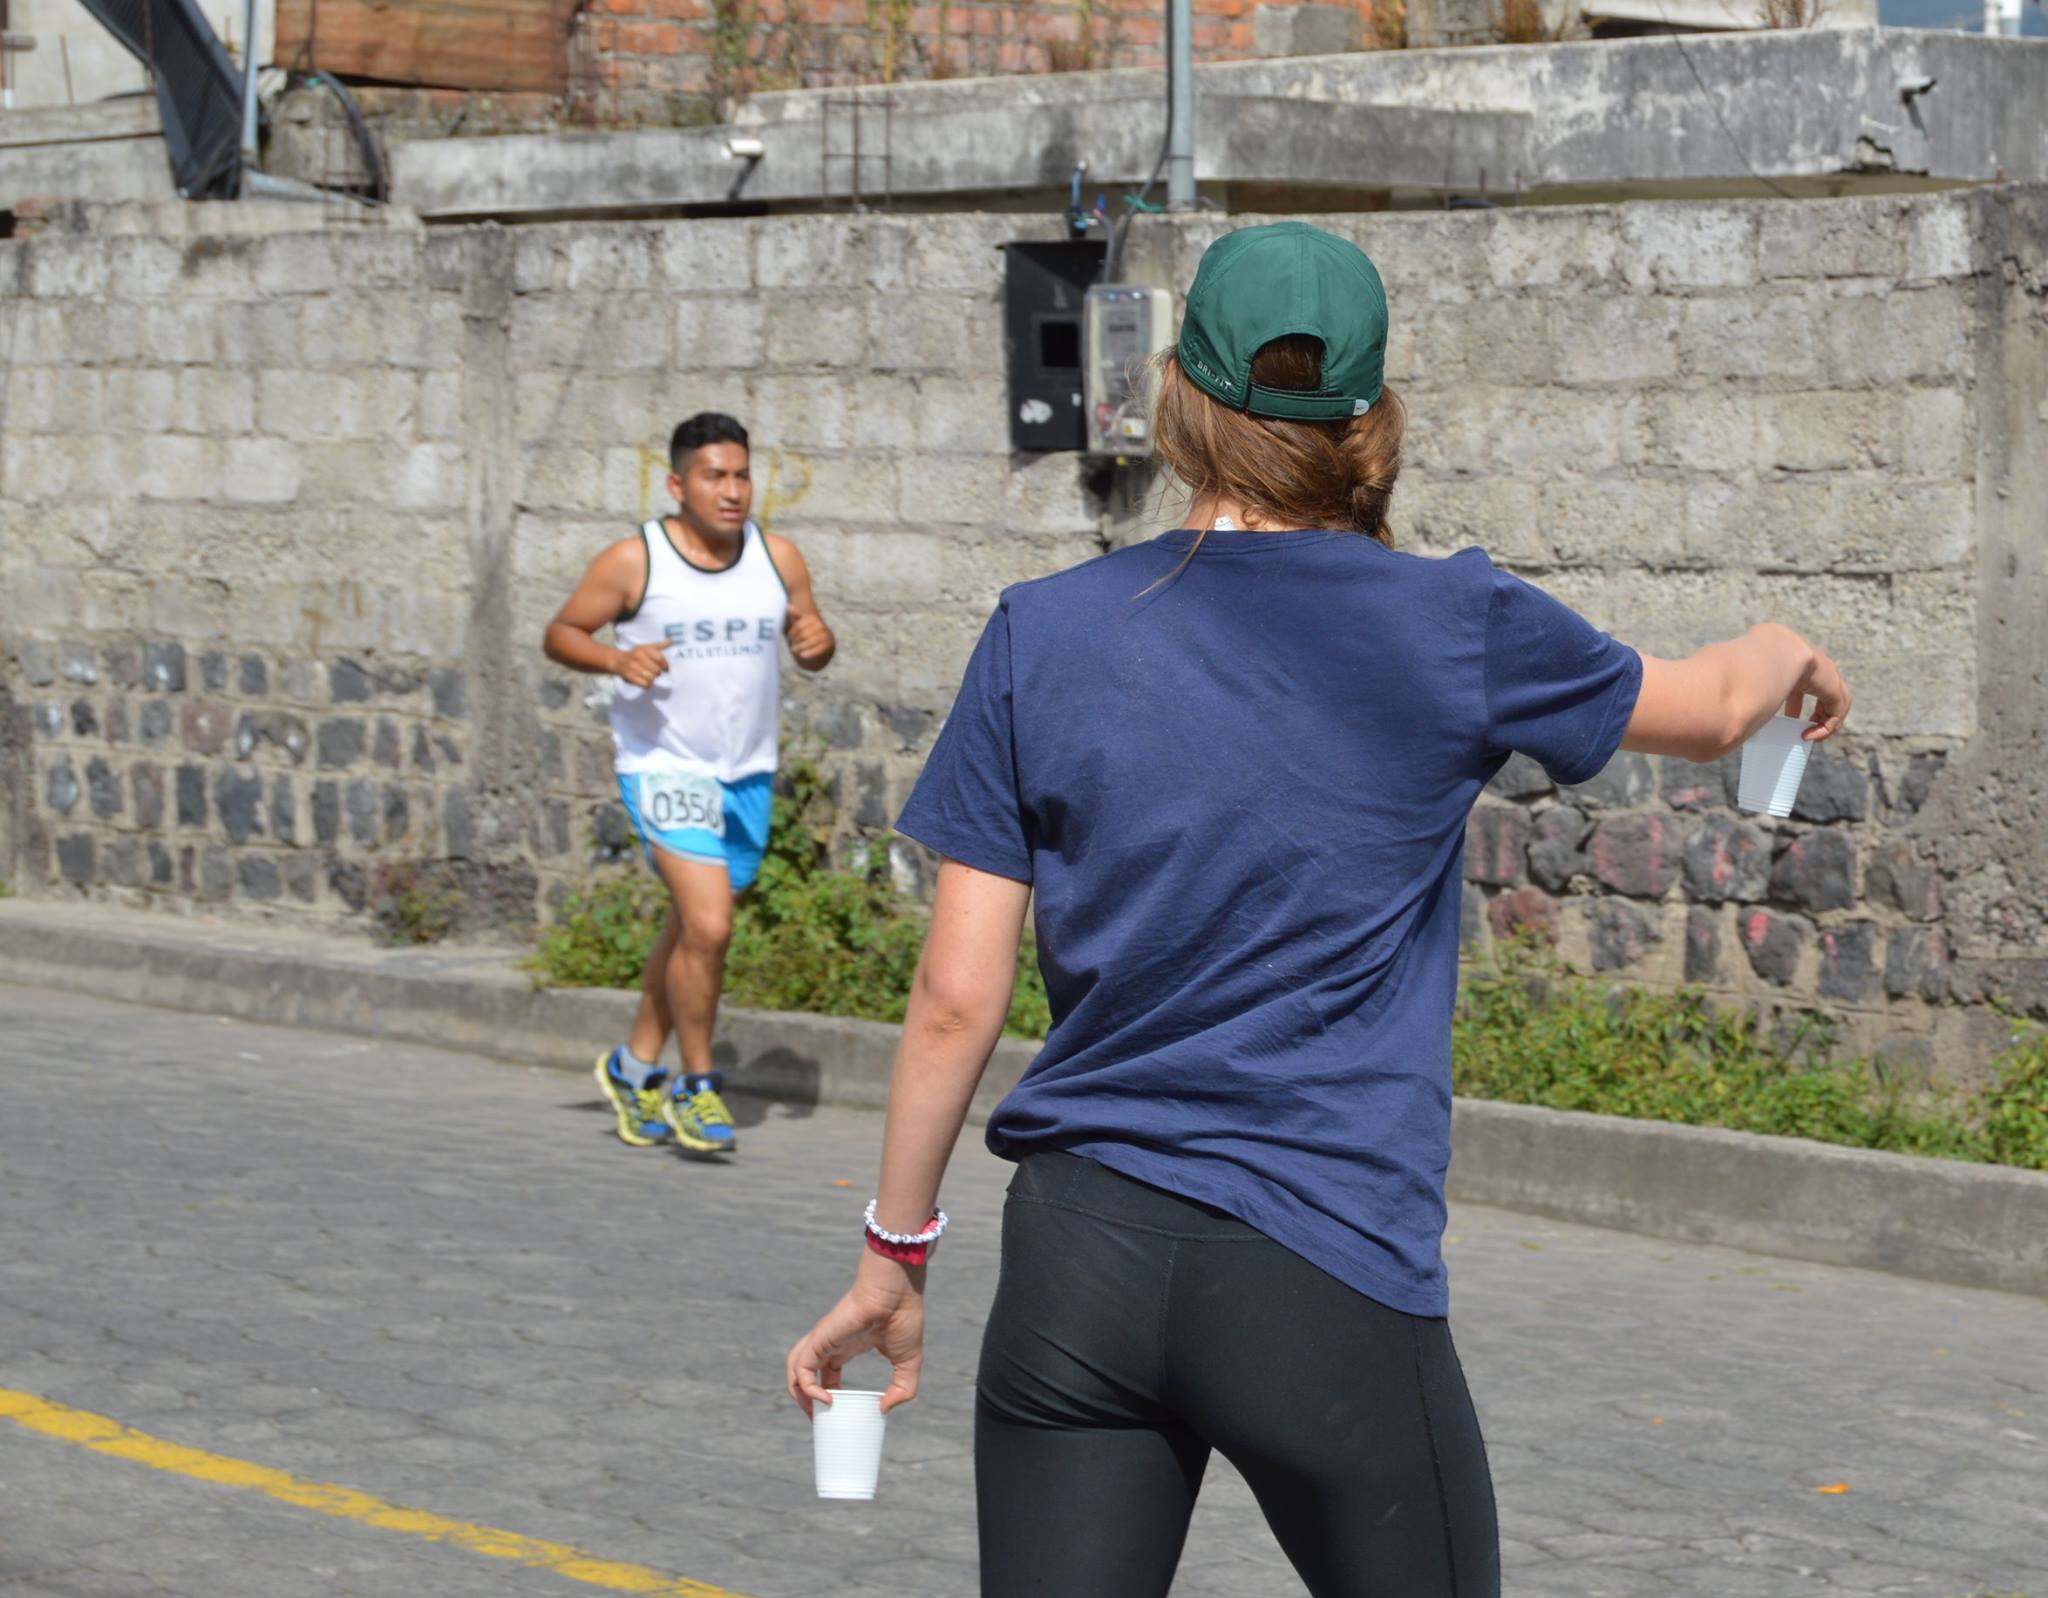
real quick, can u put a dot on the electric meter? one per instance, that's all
(1123, 327)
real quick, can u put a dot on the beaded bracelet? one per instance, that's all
(934, 1229)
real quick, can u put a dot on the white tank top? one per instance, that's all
(715, 710)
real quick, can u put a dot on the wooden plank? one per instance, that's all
(452, 44)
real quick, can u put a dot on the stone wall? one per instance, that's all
(282, 515)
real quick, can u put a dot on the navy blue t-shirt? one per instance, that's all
(1241, 798)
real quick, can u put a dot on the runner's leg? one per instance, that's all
(701, 891)
(655, 1020)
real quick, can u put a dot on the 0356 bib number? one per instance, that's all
(670, 800)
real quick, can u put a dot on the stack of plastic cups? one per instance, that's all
(1773, 762)
(846, 1444)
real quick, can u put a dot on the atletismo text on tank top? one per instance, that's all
(716, 708)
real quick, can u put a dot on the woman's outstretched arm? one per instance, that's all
(1703, 706)
(958, 1003)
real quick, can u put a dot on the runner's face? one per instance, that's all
(714, 487)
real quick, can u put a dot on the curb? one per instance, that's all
(1972, 1225)
(474, 1000)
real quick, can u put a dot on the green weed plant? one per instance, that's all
(836, 939)
(414, 902)
(2012, 1108)
(1531, 1030)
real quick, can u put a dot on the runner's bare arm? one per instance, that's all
(810, 640)
(1701, 707)
(609, 589)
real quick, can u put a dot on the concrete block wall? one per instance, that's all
(864, 356)
(234, 563)
(282, 516)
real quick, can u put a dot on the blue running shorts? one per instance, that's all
(701, 818)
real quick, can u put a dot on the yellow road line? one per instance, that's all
(104, 1436)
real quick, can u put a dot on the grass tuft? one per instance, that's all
(1531, 1030)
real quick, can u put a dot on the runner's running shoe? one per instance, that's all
(640, 1110)
(698, 1116)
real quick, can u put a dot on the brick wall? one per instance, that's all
(281, 518)
(728, 47)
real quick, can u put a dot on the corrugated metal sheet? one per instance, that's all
(451, 44)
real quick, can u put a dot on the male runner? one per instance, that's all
(696, 602)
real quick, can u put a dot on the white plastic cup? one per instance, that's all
(846, 1443)
(1773, 762)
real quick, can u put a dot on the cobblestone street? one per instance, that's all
(443, 1282)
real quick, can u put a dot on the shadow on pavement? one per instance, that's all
(779, 1082)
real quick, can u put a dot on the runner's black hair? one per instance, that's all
(706, 427)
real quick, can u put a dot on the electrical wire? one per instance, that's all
(1113, 261)
(1671, 32)
(373, 158)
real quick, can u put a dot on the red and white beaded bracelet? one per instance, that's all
(906, 1248)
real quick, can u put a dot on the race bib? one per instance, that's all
(672, 799)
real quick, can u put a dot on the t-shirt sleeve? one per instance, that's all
(966, 804)
(1557, 688)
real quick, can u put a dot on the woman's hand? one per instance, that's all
(883, 1311)
(1823, 680)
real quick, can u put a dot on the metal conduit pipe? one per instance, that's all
(1180, 70)
(248, 90)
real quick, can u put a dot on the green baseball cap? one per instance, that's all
(1262, 283)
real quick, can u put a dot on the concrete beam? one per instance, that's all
(112, 152)
(1719, 108)
(81, 124)
(1267, 139)
(984, 148)
(1709, 115)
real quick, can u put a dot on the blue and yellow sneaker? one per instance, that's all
(640, 1110)
(698, 1116)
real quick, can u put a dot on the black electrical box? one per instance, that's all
(1044, 288)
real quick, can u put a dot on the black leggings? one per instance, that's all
(1134, 1331)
